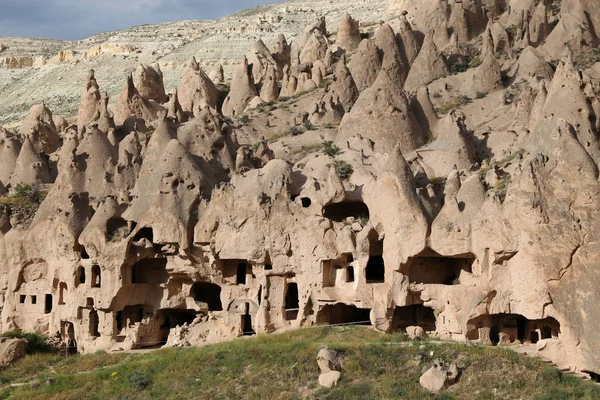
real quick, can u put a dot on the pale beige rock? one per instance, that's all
(149, 83)
(330, 379)
(11, 350)
(365, 65)
(428, 66)
(196, 88)
(30, 168)
(242, 91)
(39, 127)
(348, 35)
(414, 332)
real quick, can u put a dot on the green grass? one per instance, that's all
(283, 366)
(453, 104)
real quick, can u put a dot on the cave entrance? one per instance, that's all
(513, 328)
(172, 317)
(130, 315)
(292, 301)
(414, 315)
(375, 269)
(435, 269)
(209, 293)
(48, 304)
(247, 329)
(339, 212)
(340, 313)
(94, 323)
(150, 271)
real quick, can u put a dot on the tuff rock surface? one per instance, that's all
(436, 173)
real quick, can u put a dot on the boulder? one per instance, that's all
(11, 350)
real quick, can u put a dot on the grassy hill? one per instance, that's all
(283, 366)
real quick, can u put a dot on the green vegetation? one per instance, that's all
(459, 67)
(308, 126)
(501, 187)
(474, 62)
(480, 95)
(330, 149)
(36, 343)
(453, 104)
(294, 131)
(343, 169)
(283, 366)
(245, 119)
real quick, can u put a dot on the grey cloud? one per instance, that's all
(78, 19)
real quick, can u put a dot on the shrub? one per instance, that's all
(480, 95)
(295, 131)
(330, 149)
(31, 193)
(474, 62)
(244, 119)
(36, 342)
(343, 169)
(139, 380)
(308, 126)
(458, 67)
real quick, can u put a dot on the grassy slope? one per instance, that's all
(283, 366)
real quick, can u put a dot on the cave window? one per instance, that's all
(48, 304)
(414, 315)
(150, 271)
(144, 233)
(116, 229)
(339, 212)
(84, 254)
(22, 298)
(118, 318)
(242, 270)
(96, 276)
(33, 299)
(62, 288)
(81, 275)
(375, 270)
(94, 322)
(350, 274)
(89, 302)
(209, 293)
(292, 303)
(306, 202)
(268, 267)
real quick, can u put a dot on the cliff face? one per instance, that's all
(436, 175)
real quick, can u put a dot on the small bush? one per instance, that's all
(474, 62)
(294, 131)
(284, 98)
(139, 380)
(437, 95)
(244, 119)
(330, 149)
(308, 126)
(458, 67)
(31, 193)
(343, 169)
(480, 95)
(36, 343)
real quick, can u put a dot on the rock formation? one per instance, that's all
(442, 182)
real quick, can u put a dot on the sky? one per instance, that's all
(78, 19)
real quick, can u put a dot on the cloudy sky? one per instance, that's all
(78, 19)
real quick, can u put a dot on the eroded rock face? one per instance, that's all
(456, 199)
